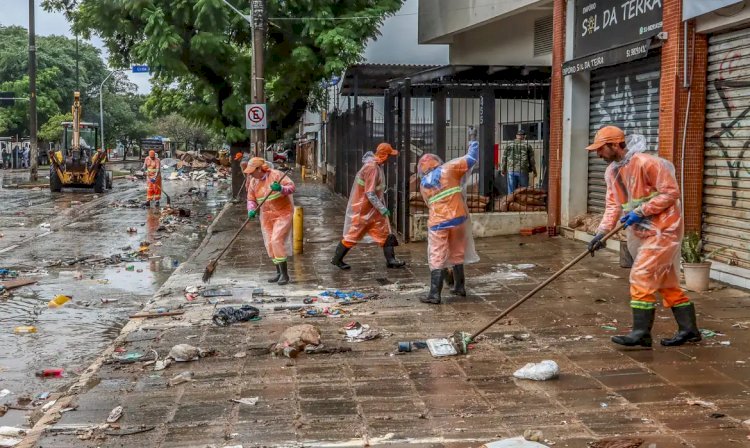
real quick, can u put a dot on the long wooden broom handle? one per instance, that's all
(544, 283)
(247, 220)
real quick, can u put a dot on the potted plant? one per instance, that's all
(695, 264)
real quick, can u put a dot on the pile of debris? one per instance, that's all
(526, 199)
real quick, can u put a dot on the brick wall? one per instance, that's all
(674, 104)
(556, 114)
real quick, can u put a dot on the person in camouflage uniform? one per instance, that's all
(518, 161)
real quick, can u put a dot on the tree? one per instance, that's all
(52, 130)
(201, 56)
(181, 130)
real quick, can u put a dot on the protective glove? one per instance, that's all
(153, 181)
(251, 214)
(386, 213)
(596, 243)
(631, 218)
(276, 186)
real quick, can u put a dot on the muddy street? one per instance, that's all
(91, 248)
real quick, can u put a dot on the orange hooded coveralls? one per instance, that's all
(152, 166)
(449, 240)
(366, 211)
(276, 213)
(647, 184)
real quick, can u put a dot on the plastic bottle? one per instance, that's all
(25, 329)
(59, 300)
(54, 373)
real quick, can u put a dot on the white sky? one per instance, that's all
(398, 32)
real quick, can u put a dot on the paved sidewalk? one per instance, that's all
(373, 395)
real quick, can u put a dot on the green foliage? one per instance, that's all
(183, 132)
(52, 131)
(200, 51)
(692, 249)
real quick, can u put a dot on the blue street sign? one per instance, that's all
(140, 69)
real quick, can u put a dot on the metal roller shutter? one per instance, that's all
(726, 176)
(627, 96)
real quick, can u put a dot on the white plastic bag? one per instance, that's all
(543, 371)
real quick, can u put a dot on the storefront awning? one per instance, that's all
(619, 55)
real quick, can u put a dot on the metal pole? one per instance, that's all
(258, 76)
(101, 107)
(32, 87)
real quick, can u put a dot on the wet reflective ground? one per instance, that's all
(82, 224)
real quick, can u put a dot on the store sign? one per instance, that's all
(619, 55)
(606, 24)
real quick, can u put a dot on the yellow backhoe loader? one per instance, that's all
(79, 163)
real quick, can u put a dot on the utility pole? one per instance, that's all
(32, 94)
(258, 137)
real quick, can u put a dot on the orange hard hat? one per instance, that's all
(607, 134)
(383, 151)
(255, 163)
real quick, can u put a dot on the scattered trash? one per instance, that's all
(701, 403)
(706, 333)
(11, 436)
(356, 332)
(108, 300)
(132, 230)
(132, 357)
(44, 225)
(294, 339)
(533, 435)
(248, 401)
(115, 414)
(8, 273)
(717, 415)
(608, 327)
(4, 393)
(521, 336)
(515, 442)
(441, 347)
(162, 364)
(25, 329)
(617, 442)
(543, 371)
(186, 352)
(59, 301)
(404, 347)
(219, 292)
(183, 377)
(48, 406)
(130, 268)
(228, 315)
(239, 355)
(725, 343)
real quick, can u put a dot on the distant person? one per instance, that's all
(6, 157)
(518, 162)
(152, 168)
(26, 157)
(15, 157)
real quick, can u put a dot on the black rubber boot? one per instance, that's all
(390, 258)
(436, 287)
(643, 320)
(338, 257)
(459, 280)
(147, 204)
(284, 274)
(687, 327)
(275, 278)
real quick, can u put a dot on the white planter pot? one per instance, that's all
(697, 275)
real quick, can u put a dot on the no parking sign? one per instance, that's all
(255, 116)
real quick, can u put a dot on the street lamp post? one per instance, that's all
(101, 106)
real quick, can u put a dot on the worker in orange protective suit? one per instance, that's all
(276, 214)
(152, 168)
(366, 214)
(643, 189)
(449, 239)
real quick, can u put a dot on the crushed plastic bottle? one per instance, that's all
(50, 373)
(25, 329)
(59, 300)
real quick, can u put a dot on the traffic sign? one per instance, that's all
(140, 69)
(255, 116)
